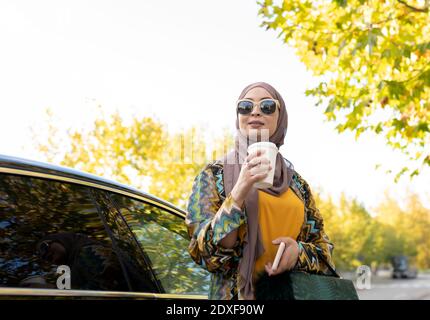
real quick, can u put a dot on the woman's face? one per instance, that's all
(256, 121)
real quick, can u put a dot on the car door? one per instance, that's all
(48, 223)
(106, 261)
(162, 235)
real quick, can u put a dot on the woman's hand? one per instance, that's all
(289, 257)
(255, 168)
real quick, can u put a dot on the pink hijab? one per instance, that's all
(283, 174)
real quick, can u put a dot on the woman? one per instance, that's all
(235, 229)
(93, 266)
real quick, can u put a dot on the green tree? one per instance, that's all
(410, 227)
(143, 154)
(362, 239)
(351, 228)
(373, 59)
(418, 229)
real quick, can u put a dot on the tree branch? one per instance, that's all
(423, 9)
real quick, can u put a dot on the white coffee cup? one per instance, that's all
(271, 151)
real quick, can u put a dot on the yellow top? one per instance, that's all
(281, 216)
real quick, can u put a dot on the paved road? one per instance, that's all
(385, 288)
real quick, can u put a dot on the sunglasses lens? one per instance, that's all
(244, 107)
(268, 106)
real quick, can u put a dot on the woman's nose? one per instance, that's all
(256, 111)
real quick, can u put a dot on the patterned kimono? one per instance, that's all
(206, 227)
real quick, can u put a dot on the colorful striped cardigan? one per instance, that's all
(208, 198)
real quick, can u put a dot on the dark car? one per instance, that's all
(90, 237)
(401, 268)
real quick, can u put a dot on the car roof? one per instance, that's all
(16, 165)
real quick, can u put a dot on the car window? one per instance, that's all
(135, 262)
(164, 238)
(45, 224)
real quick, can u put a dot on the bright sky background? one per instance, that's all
(184, 62)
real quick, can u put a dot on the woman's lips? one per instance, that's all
(255, 124)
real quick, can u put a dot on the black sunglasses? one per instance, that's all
(267, 106)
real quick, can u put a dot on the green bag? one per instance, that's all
(297, 285)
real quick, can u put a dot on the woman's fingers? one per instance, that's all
(288, 259)
(257, 161)
(254, 154)
(278, 240)
(268, 268)
(255, 168)
(264, 168)
(281, 268)
(258, 177)
(286, 240)
(284, 264)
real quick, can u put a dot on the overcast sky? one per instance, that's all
(183, 62)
